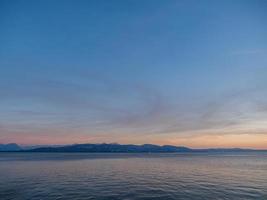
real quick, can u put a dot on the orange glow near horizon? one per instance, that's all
(256, 141)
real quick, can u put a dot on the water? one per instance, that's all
(78, 176)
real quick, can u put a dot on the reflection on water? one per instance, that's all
(133, 176)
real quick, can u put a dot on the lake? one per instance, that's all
(80, 176)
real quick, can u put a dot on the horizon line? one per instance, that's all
(194, 148)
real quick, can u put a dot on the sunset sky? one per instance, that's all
(191, 73)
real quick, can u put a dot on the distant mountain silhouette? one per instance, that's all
(115, 148)
(130, 148)
(10, 147)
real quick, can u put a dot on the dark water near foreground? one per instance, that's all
(27, 176)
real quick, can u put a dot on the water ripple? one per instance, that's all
(133, 176)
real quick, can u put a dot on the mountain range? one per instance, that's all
(114, 148)
(10, 147)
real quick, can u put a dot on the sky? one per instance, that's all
(184, 72)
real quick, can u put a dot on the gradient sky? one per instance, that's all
(190, 73)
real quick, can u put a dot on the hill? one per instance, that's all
(10, 147)
(113, 148)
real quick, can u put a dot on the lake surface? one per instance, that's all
(190, 176)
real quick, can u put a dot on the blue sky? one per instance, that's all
(176, 72)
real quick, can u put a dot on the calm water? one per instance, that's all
(133, 176)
